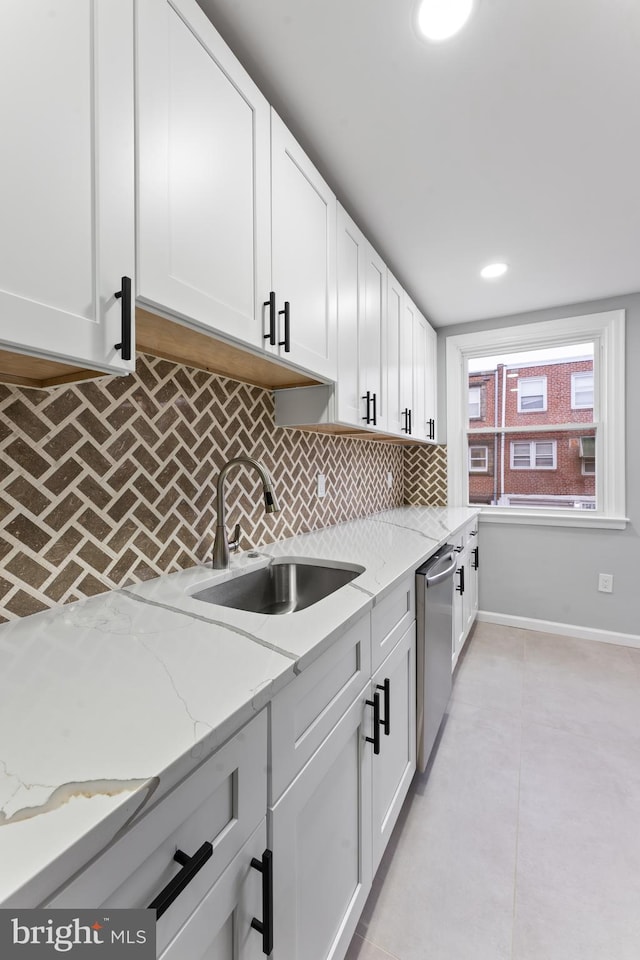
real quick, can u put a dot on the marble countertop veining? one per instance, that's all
(106, 704)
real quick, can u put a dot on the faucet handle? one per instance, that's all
(234, 543)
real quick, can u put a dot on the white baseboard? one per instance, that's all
(563, 629)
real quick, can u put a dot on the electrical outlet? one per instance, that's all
(605, 582)
(321, 487)
(389, 479)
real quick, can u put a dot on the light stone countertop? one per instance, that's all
(107, 704)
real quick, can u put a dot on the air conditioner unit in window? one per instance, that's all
(588, 447)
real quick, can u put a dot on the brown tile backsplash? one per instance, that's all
(112, 481)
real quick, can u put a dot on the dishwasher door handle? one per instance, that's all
(439, 577)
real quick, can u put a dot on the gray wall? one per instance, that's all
(551, 573)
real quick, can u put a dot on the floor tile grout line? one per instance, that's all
(392, 956)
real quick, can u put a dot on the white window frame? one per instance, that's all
(485, 468)
(533, 454)
(607, 332)
(477, 390)
(588, 473)
(543, 394)
(574, 378)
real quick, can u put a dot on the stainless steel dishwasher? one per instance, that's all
(434, 614)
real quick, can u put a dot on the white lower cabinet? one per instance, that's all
(330, 826)
(220, 928)
(321, 837)
(393, 768)
(206, 820)
(465, 595)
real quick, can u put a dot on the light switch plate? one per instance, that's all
(321, 487)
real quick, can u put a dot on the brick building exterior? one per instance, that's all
(528, 467)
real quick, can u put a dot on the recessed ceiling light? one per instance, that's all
(493, 270)
(440, 19)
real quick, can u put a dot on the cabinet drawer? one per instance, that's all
(305, 712)
(222, 802)
(220, 926)
(390, 619)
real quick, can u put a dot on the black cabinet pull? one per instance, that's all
(410, 424)
(460, 587)
(432, 429)
(286, 343)
(375, 417)
(375, 739)
(190, 866)
(124, 294)
(367, 397)
(265, 926)
(386, 723)
(476, 557)
(271, 303)
(406, 413)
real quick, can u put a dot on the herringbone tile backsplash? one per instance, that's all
(113, 481)
(425, 475)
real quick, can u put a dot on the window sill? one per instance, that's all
(557, 518)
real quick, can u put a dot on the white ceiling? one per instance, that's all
(517, 140)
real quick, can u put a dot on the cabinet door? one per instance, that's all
(372, 334)
(321, 838)
(393, 768)
(203, 175)
(419, 419)
(67, 174)
(407, 373)
(303, 212)
(460, 602)
(220, 927)
(395, 319)
(431, 382)
(352, 247)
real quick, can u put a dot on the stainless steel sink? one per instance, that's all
(285, 586)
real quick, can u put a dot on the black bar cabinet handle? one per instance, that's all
(432, 429)
(265, 926)
(286, 343)
(367, 397)
(375, 416)
(460, 587)
(190, 866)
(476, 557)
(124, 294)
(375, 739)
(410, 427)
(386, 723)
(271, 303)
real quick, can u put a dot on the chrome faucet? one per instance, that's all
(221, 544)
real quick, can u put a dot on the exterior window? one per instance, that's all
(475, 403)
(569, 373)
(582, 390)
(533, 455)
(478, 459)
(532, 394)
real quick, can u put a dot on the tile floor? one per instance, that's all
(522, 839)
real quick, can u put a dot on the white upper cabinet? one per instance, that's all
(352, 249)
(399, 363)
(418, 377)
(303, 212)
(372, 338)
(203, 175)
(67, 175)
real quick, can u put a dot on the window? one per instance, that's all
(532, 394)
(533, 455)
(582, 390)
(475, 403)
(478, 459)
(564, 466)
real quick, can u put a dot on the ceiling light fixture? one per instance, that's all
(440, 19)
(493, 270)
